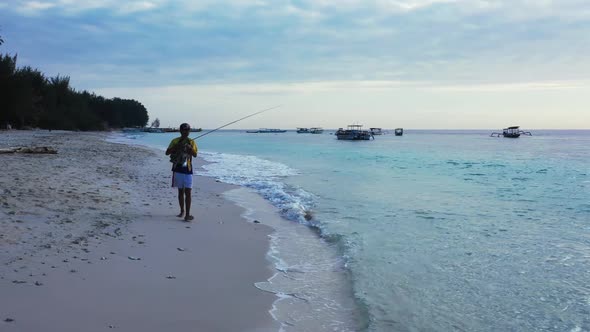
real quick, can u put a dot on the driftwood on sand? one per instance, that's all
(35, 149)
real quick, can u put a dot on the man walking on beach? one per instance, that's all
(181, 151)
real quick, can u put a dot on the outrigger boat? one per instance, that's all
(303, 130)
(316, 130)
(266, 131)
(354, 133)
(376, 131)
(511, 132)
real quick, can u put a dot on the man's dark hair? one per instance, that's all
(185, 126)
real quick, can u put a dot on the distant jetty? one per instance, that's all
(157, 130)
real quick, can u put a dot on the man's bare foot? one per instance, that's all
(188, 218)
(181, 214)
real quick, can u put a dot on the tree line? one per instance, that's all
(30, 99)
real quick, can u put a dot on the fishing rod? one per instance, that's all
(225, 125)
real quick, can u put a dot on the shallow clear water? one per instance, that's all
(439, 230)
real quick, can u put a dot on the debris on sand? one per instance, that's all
(37, 149)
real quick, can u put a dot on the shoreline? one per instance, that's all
(90, 242)
(310, 274)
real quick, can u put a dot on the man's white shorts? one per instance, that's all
(181, 180)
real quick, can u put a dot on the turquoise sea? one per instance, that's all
(431, 231)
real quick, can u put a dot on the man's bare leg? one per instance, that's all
(188, 200)
(181, 202)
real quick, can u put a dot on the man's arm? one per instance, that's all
(172, 148)
(193, 147)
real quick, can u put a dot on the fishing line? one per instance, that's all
(225, 125)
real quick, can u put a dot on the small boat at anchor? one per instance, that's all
(399, 131)
(316, 130)
(303, 130)
(511, 132)
(266, 131)
(354, 133)
(376, 131)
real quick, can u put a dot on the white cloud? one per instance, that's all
(508, 9)
(76, 6)
(523, 10)
(408, 5)
(34, 7)
(139, 6)
(71, 7)
(327, 40)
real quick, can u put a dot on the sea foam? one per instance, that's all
(265, 177)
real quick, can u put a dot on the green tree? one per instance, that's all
(156, 123)
(30, 85)
(7, 89)
(29, 99)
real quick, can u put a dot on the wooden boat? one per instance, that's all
(266, 131)
(511, 132)
(354, 133)
(376, 131)
(316, 130)
(399, 131)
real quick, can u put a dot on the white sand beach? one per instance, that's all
(89, 241)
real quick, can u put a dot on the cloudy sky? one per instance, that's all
(449, 64)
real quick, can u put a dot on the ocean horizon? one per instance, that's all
(435, 230)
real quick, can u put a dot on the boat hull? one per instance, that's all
(511, 135)
(354, 135)
(316, 130)
(266, 131)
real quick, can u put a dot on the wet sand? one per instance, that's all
(89, 241)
